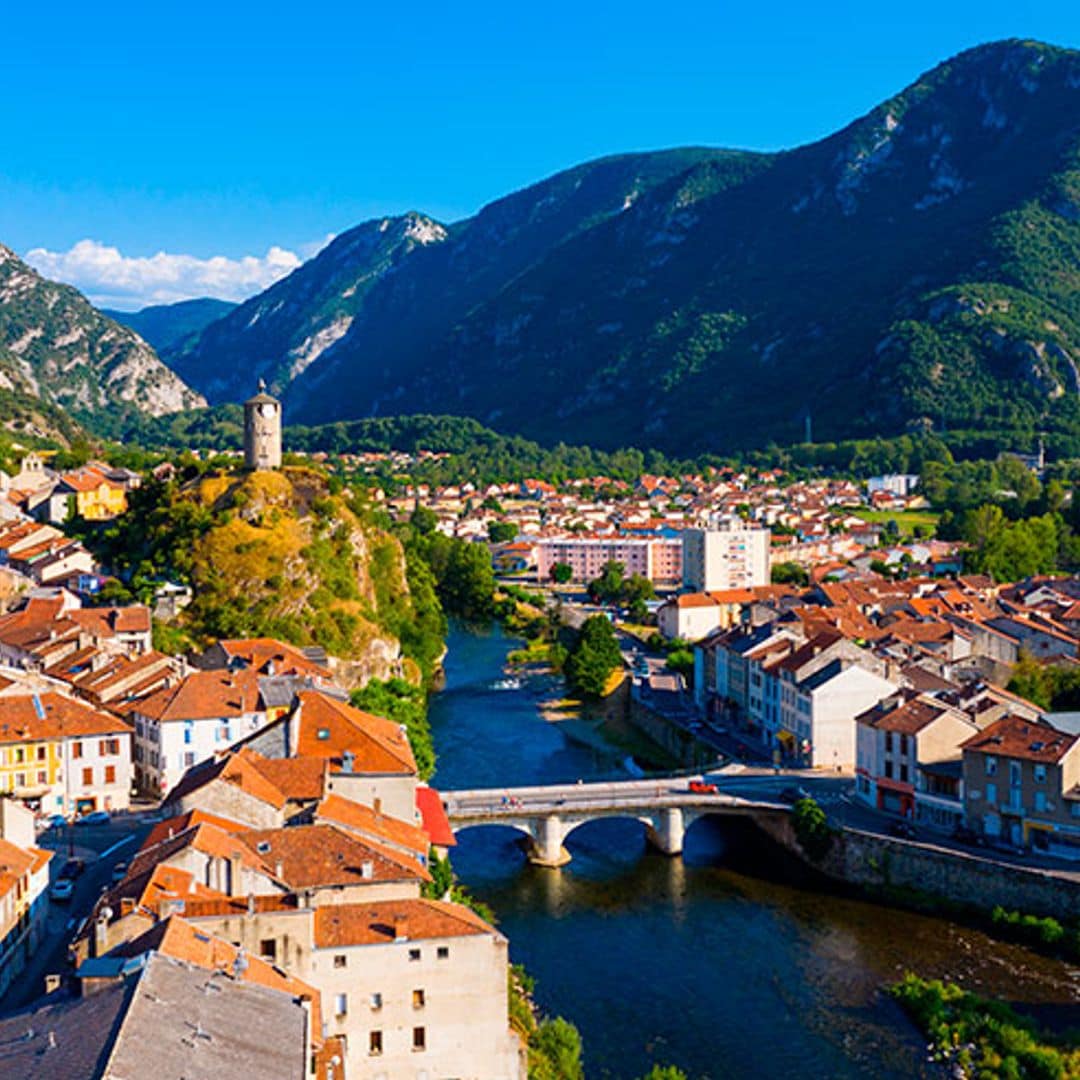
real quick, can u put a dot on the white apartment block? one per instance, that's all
(734, 556)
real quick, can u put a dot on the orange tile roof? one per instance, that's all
(16, 862)
(205, 695)
(1014, 737)
(363, 820)
(299, 779)
(330, 728)
(341, 925)
(31, 717)
(309, 856)
(260, 653)
(170, 827)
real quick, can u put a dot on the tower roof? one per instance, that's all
(262, 396)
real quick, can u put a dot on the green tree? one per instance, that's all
(608, 587)
(664, 1072)
(501, 532)
(561, 573)
(789, 573)
(594, 657)
(555, 1051)
(405, 704)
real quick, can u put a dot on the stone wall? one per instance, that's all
(876, 862)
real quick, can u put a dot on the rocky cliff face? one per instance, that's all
(56, 347)
(919, 267)
(284, 558)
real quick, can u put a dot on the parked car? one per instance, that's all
(119, 871)
(702, 787)
(54, 821)
(793, 794)
(62, 889)
(903, 830)
(72, 869)
(95, 817)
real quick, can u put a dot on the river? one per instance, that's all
(723, 962)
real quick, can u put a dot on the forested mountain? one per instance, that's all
(172, 327)
(56, 348)
(919, 268)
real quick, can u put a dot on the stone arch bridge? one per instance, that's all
(546, 815)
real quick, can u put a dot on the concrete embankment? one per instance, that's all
(884, 864)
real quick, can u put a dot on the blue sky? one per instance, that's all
(230, 129)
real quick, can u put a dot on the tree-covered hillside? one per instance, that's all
(916, 270)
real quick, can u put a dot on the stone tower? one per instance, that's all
(262, 430)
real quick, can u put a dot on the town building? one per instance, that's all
(24, 882)
(657, 558)
(62, 756)
(186, 723)
(908, 758)
(733, 555)
(1022, 785)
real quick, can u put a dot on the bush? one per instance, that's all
(811, 828)
(982, 1038)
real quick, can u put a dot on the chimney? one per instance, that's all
(377, 807)
(401, 927)
(251, 903)
(367, 870)
(279, 870)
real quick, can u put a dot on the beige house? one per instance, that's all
(1022, 785)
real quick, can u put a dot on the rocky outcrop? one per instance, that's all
(55, 346)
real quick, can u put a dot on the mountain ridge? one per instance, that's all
(920, 261)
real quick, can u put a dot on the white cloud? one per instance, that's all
(111, 279)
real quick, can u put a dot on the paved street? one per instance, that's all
(101, 847)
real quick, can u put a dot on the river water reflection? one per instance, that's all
(722, 962)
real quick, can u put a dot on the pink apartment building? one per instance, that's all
(657, 558)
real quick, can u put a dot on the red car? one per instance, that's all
(700, 787)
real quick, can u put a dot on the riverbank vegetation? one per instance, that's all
(812, 829)
(405, 704)
(1045, 934)
(594, 659)
(981, 1038)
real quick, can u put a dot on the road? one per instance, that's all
(101, 847)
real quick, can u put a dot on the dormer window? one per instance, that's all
(323, 733)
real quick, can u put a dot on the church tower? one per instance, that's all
(262, 430)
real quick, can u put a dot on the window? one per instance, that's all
(376, 1002)
(991, 793)
(375, 1043)
(903, 772)
(1039, 772)
(110, 774)
(268, 948)
(189, 758)
(20, 779)
(443, 952)
(187, 733)
(20, 756)
(903, 744)
(76, 750)
(991, 765)
(87, 776)
(42, 776)
(341, 1004)
(341, 960)
(888, 742)
(1016, 773)
(41, 753)
(1040, 802)
(888, 770)
(419, 1039)
(1076, 809)
(414, 954)
(418, 999)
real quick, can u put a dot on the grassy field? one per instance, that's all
(907, 520)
